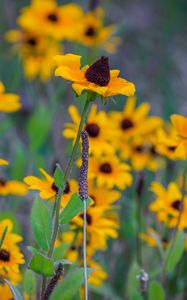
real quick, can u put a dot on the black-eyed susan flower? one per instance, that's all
(71, 187)
(167, 204)
(3, 162)
(98, 126)
(36, 53)
(50, 19)
(11, 239)
(46, 186)
(152, 238)
(97, 78)
(8, 102)
(5, 292)
(102, 196)
(109, 171)
(180, 124)
(92, 32)
(10, 259)
(98, 275)
(134, 121)
(12, 187)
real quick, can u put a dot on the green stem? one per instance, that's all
(66, 175)
(138, 231)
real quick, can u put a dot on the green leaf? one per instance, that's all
(106, 291)
(60, 251)
(73, 208)
(38, 126)
(59, 177)
(70, 285)
(42, 265)
(41, 224)
(16, 293)
(3, 236)
(174, 253)
(32, 249)
(156, 292)
(29, 283)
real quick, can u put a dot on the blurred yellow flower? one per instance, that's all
(3, 162)
(10, 259)
(50, 19)
(180, 124)
(93, 33)
(8, 102)
(167, 205)
(98, 275)
(5, 292)
(109, 171)
(36, 52)
(99, 129)
(12, 187)
(11, 239)
(97, 78)
(71, 187)
(152, 238)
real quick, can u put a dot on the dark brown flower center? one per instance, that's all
(99, 72)
(2, 182)
(171, 148)
(90, 31)
(92, 129)
(52, 17)
(177, 205)
(54, 187)
(88, 218)
(153, 150)
(4, 255)
(67, 188)
(32, 42)
(106, 168)
(126, 124)
(139, 149)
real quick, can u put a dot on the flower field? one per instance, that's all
(93, 150)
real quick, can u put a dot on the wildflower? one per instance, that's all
(102, 196)
(134, 121)
(5, 292)
(71, 187)
(10, 259)
(99, 128)
(12, 187)
(57, 22)
(36, 53)
(180, 124)
(168, 205)
(11, 239)
(8, 102)
(93, 33)
(46, 185)
(98, 275)
(152, 237)
(3, 162)
(97, 78)
(109, 171)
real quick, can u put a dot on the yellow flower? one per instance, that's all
(97, 224)
(49, 19)
(8, 102)
(5, 292)
(102, 196)
(98, 275)
(3, 162)
(180, 124)
(152, 238)
(99, 129)
(11, 239)
(12, 187)
(71, 187)
(36, 53)
(10, 259)
(134, 121)
(167, 204)
(109, 171)
(97, 78)
(92, 32)
(46, 185)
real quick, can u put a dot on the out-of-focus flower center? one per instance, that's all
(54, 187)
(177, 205)
(92, 129)
(90, 31)
(139, 149)
(2, 182)
(32, 42)
(126, 124)
(106, 168)
(99, 72)
(52, 17)
(171, 148)
(4, 255)
(67, 188)
(88, 218)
